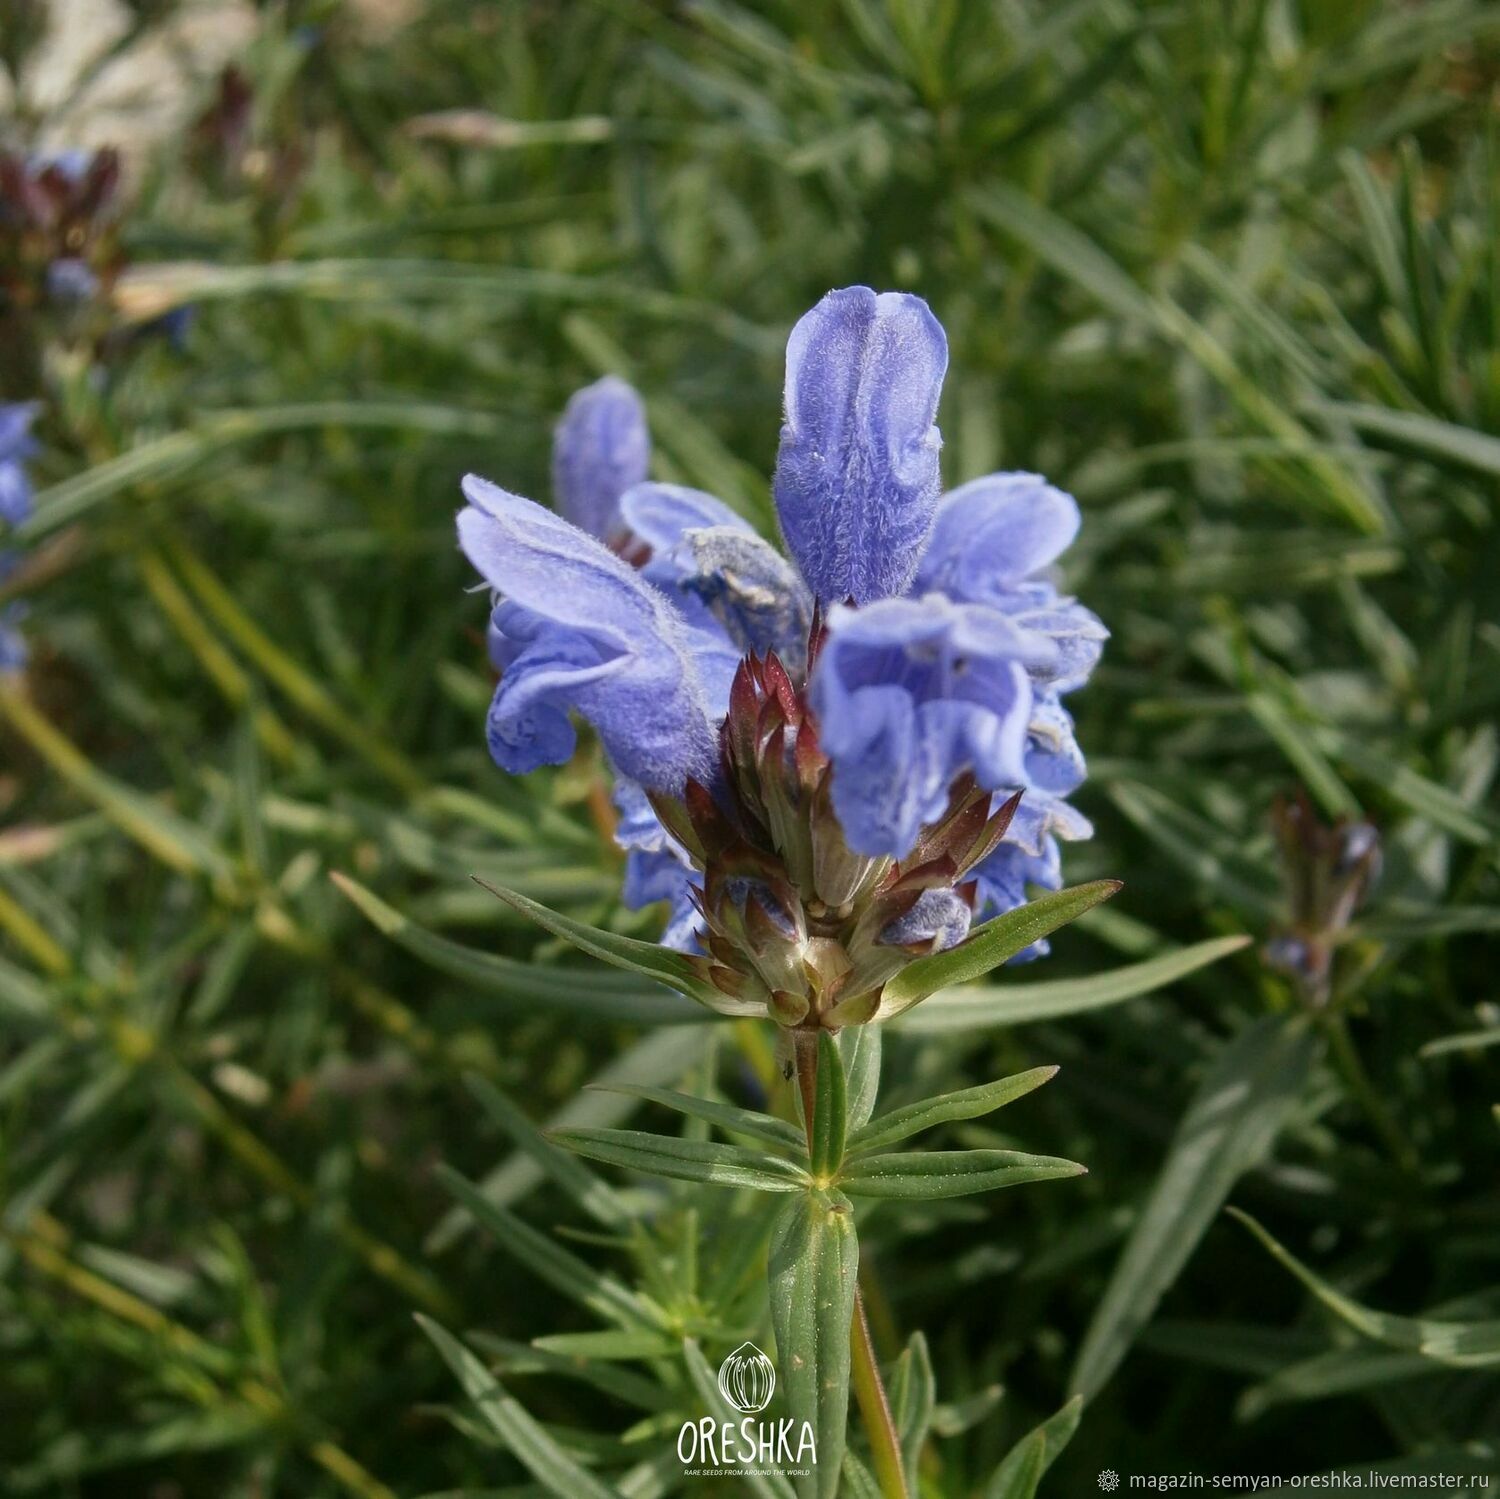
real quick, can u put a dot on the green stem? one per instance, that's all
(1357, 1080)
(869, 1389)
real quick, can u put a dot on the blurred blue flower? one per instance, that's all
(921, 637)
(70, 281)
(601, 447)
(17, 445)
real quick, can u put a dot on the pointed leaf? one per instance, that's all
(814, 1270)
(985, 1005)
(913, 1399)
(595, 996)
(990, 945)
(597, 1198)
(674, 969)
(1464, 1344)
(859, 1045)
(830, 1109)
(1228, 1129)
(685, 1160)
(732, 1120)
(967, 1103)
(950, 1173)
(1021, 1469)
(513, 1424)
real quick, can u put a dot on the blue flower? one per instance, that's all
(580, 628)
(717, 570)
(992, 540)
(910, 693)
(17, 445)
(601, 447)
(853, 707)
(857, 473)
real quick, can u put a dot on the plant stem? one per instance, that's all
(874, 1408)
(1357, 1080)
(869, 1389)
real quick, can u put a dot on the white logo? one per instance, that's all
(747, 1379)
(1109, 1480)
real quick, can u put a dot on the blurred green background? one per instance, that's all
(1228, 270)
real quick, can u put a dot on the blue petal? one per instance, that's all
(584, 630)
(737, 591)
(662, 514)
(13, 649)
(656, 867)
(1003, 879)
(990, 541)
(747, 586)
(990, 534)
(15, 493)
(601, 447)
(911, 693)
(857, 473)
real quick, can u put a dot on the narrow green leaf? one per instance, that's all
(513, 1424)
(178, 843)
(1021, 1468)
(985, 1005)
(1425, 797)
(992, 944)
(597, 1198)
(731, 1120)
(859, 1046)
(510, 1357)
(1445, 441)
(830, 1109)
(674, 969)
(913, 1399)
(1338, 1371)
(576, 1279)
(859, 1481)
(1470, 1345)
(685, 1160)
(611, 1344)
(593, 996)
(659, 1056)
(967, 1103)
(950, 1173)
(814, 1271)
(1228, 1129)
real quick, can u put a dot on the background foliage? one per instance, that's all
(1230, 272)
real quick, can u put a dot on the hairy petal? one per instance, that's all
(911, 693)
(736, 592)
(600, 448)
(656, 867)
(857, 473)
(991, 541)
(752, 591)
(991, 533)
(581, 629)
(662, 514)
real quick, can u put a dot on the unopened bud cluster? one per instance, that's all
(796, 920)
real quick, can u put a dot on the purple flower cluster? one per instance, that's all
(944, 645)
